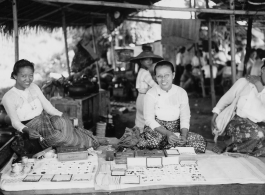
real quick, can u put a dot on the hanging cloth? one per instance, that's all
(180, 31)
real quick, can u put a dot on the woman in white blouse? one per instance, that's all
(246, 128)
(35, 117)
(167, 114)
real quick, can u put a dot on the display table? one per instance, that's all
(222, 177)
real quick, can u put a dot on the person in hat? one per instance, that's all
(167, 114)
(144, 80)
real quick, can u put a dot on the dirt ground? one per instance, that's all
(201, 114)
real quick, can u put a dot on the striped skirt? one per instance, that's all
(59, 131)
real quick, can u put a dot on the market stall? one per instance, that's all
(178, 172)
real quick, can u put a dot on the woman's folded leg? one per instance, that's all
(197, 142)
(247, 136)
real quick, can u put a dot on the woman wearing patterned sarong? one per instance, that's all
(34, 117)
(167, 114)
(246, 129)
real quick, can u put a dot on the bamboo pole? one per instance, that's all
(199, 57)
(207, 4)
(113, 54)
(232, 41)
(160, 18)
(145, 21)
(152, 7)
(191, 7)
(201, 74)
(248, 47)
(65, 42)
(71, 9)
(112, 50)
(15, 33)
(96, 52)
(211, 62)
(194, 6)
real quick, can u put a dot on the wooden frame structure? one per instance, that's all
(139, 5)
(152, 7)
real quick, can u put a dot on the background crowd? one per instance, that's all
(194, 66)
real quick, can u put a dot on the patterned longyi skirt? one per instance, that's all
(247, 136)
(151, 139)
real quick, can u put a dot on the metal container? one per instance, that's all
(71, 153)
(110, 154)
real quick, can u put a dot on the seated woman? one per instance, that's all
(167, 114)
(32, 114)
(245, 126)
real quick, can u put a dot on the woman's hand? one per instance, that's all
(183, 140)
(172, 138)
(183, 137)
(33, 134)
(213, 122)
(64, 115)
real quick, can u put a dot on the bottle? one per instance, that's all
(110, 126)
(109, 153)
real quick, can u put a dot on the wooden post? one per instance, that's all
(194, 6)
(207, 4)
(191, 7)
(112, 51)
(113, 54)
(96, 52)
(211, 62)
(15, 23)
(65, 42)
(232, 41)
(201, 75)
(248, 47)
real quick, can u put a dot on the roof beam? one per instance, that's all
(160, 19)
(45, 15)
(151, 7)
(228, 25)
(27, 20)
(70, 9)
(146, 21)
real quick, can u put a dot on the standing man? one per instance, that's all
(179, 65)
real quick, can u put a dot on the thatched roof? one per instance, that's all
(41, 13)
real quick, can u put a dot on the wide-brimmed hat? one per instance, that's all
(146, 54)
